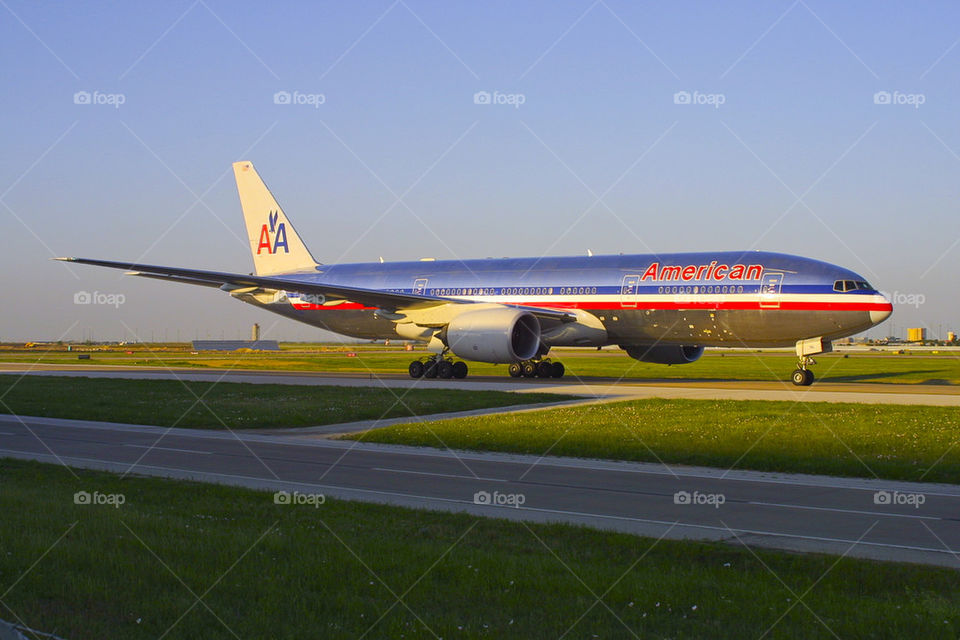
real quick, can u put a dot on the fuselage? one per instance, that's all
(749, 299)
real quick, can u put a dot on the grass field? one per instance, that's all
(208, 405)
(887, 441)
(202, 561)
(942, 368)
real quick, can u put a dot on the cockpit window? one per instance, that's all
(851, 285)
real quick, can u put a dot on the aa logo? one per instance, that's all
(273, 237)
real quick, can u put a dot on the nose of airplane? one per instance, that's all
(882, 312)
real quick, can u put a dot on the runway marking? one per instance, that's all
(146, 446)
(868, 513)
(442, 475)
(7, 433)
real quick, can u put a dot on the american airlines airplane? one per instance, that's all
(662, 308)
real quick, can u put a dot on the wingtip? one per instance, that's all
(64, 259)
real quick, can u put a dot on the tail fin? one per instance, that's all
(274, 243)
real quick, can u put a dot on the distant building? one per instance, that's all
(951, 336)
(916, 334)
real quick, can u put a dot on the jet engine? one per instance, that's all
(499, 335)
(664, 353)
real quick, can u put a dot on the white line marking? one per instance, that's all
(442, 475)
(880, 514)
(146, 446)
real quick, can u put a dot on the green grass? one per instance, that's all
(943, 368)
(169, 403)
(280, 571)
(891, 441)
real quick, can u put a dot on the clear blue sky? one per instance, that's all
(798, 157)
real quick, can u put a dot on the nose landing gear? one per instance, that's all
(803, 377)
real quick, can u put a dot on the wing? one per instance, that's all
(385, 300)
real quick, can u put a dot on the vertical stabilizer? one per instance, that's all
(274, 243)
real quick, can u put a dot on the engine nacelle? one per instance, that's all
(499, 335)
(664, 353)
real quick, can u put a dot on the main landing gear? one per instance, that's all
(536, 369)
(440, 366)
(437, 366)
(803, 377)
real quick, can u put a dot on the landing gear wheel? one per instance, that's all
(529, 369)
(544, 369)
(445, 369)
(459, 370)
(515, 370)
(416, 369)
(802, 375)
(430, 369)
(558, 370)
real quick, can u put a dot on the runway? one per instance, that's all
(865, 518)
(608, 388)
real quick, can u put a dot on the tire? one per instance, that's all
(459, 370)
(809, 380)
(800, 377)
(515, 370)
(544, 369)
(416, 369)
(445, 369)
(529, 369)
(558, 369)
(430, 370)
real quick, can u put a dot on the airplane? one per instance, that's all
(659, 308)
